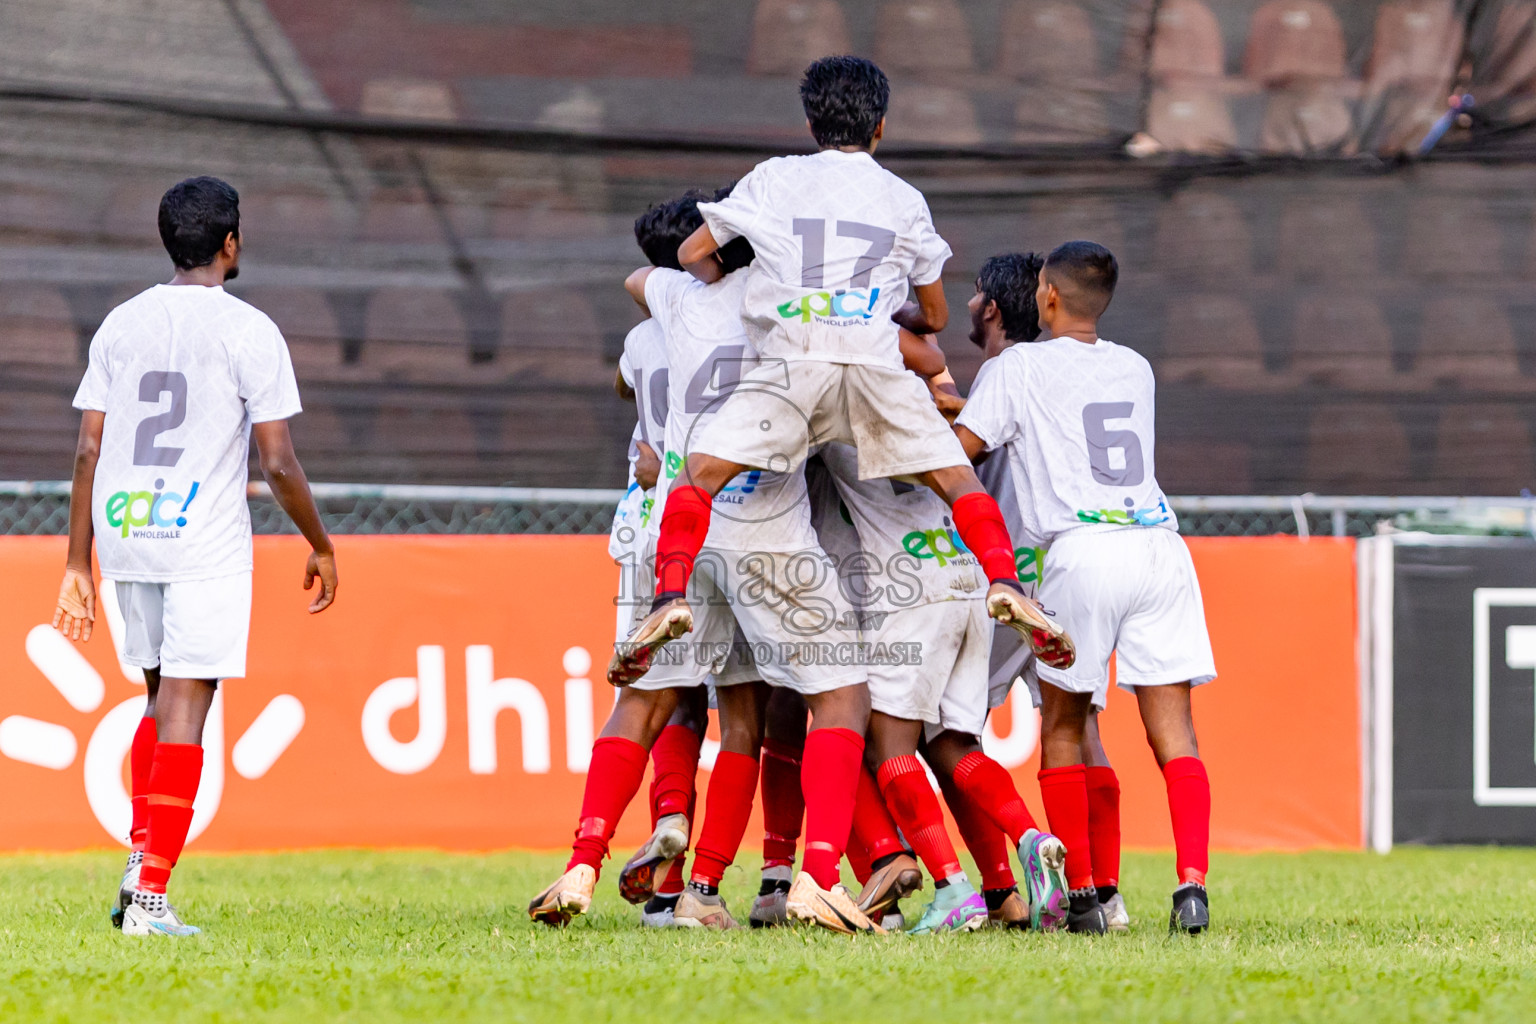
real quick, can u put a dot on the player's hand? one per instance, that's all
(323, 568)
(76, 611)
(647, 466)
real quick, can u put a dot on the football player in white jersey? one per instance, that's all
(661, 719)
(1003, 313)
(838, 239)
(179, 378)
(1075, 418)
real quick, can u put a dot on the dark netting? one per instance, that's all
(437, 198)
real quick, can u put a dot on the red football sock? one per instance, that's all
(1065, 793)
(1189, 805)
(873, 826)
(989, 786)
(905, 787)
(672, 885)
(173, 779)
(987, 843)
(140, 761)
(1104, 824)
(727, 806)
(858, 859)
(684, 525)
(675, 765)
(613, 779)
(980, 524)
(833, 764)
(783, 802)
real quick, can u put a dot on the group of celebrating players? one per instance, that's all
(856, 596)
(830, 554)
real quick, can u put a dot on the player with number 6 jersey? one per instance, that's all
(1075, 417)
(179, 378)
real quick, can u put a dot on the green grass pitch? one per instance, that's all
(1421, 935)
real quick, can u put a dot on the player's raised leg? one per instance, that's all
(684, 526)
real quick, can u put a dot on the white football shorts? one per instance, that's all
(1132, 593)
(196, 629)
(783, 408)
(779, 617)
(929, 664)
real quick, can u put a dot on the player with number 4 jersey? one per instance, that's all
(179, 378)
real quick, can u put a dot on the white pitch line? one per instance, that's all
(266, 739)
(66, 668)
(41, 743)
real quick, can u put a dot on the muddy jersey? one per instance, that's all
(907, 549)
(837, 238)
(1076, 424)
(181, 372)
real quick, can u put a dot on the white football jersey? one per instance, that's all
(643, 365)
(181, 372)
(1076, 421)
(707, 352)
(912, 553)
(837, 239)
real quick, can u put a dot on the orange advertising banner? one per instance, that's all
(451, 696)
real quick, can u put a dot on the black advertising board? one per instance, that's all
(1463, 709)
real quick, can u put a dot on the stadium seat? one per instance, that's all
(316, 339)
(293, 214)
(415, 334)
(1203, 234)
(1191, 118)
(563, 342)
(36, 326)
(1466, 339)
(789, 34)
(1483, 449)
(1307, 120)
(923, 38)
(1212, 340)
(1186, 42)
(1048, 113)
(411, 99)
(1415, 41)
(1290, 40)
(1047, 40)
(1452, 236)
(399, 215)
(934, 115)
(1342, 340)
(1359, 449)
(1324, 237)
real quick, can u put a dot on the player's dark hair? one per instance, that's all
(664, 227)
(1010, 280)
(196, 216)
(845, 99)
(738, 252)
(1085, 274)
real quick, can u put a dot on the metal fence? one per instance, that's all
(42, 509)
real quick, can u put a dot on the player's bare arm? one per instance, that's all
(647, 466)
(635, 285)
(697, 255)
(921, 354)
(927, 312)
(280, 466)
(76, 611)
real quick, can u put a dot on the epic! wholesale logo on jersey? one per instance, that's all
(133, 511)
(840, 308)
